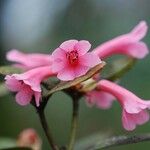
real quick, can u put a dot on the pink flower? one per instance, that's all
(99, 98)
(29, 138)
(27, 85)
(134, 109)
(128, 44)
(71, 59)
(28, 61)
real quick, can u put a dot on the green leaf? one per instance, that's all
(5, 70)
(3, 89)
(10, 144)
(64, 85)
(118, 68)
(7, 142)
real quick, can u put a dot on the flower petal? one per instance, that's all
(105, 100)
(34, 85)
(58, 53)
(12, 84)
(140, 30)
(24, 96)
(68, 45)
(66, 74)
(131, 120)
(101, 99)
(127, 121)
(89, 60)
(15, 55)
(142, 117)
(134, 105)
(58, 65)
(80, 70)
(82, 47)
(137, 50)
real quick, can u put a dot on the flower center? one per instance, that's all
(72, 57)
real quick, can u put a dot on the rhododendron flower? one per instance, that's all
(28, 61)
(99, 98)
(127, 44)
(29, 138)
(27, 85)
(134, 109)
(71, 59)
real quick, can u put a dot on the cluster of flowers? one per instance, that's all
(71, 60)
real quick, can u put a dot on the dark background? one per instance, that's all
(40, 26)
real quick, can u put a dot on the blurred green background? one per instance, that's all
(40, 26)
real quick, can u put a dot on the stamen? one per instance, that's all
(72, 57)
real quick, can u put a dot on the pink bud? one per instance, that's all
(29, 138)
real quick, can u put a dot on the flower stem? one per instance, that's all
(46, 130)
(74, 124)
(120, 140)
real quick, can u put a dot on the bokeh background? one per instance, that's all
(40, 26)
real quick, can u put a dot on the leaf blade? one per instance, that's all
(65, 85)
(5, 70)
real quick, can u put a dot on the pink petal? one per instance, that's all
(101, 99)
(105, 100)
(58, 65)
(89, 60)
(24, 96)
(59, 53)
(137, 50)
(142, 117)
(12, 84)
(66, 74)
(34, 85)
(68, 45)
(59, 60)
(35, 75)
(82, 47)
(80, 70)
(131, 120)
(127, 121)
(133, 104)
(15, 55)
(140, 30)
